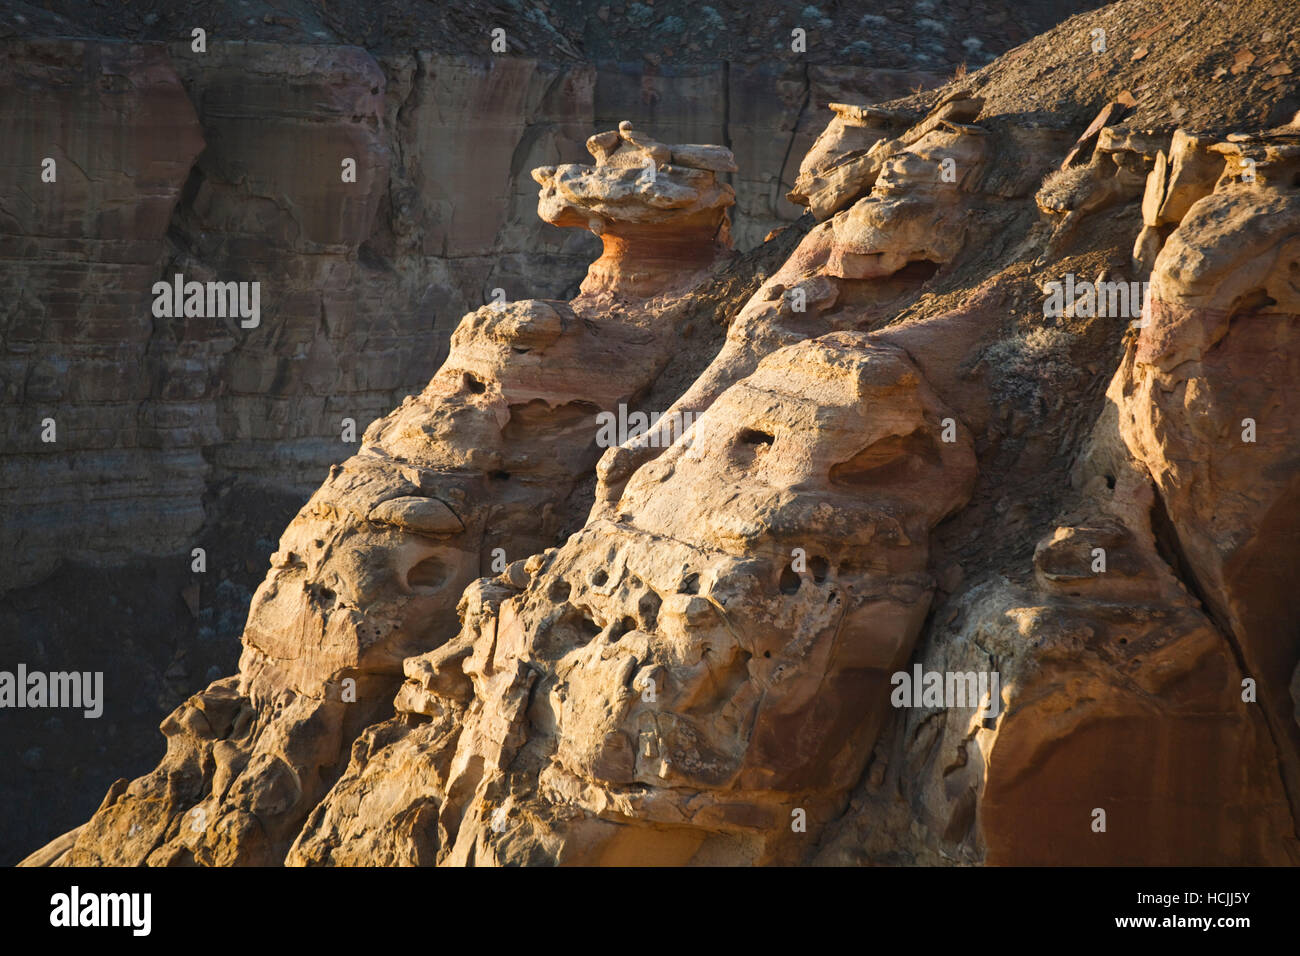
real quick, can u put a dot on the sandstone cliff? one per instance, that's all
(486, 639)
(225, 165)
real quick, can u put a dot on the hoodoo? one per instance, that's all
(659, 210)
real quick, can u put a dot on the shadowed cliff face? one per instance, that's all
(490, 639)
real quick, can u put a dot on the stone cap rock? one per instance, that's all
(636, 179)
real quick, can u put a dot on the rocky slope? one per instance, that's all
(227, 164)
(486, 640)
(176, 160)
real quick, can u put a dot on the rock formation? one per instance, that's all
(479, 468)
(673, 684)
(1016, 407)
(659, 210)
(1204, 404)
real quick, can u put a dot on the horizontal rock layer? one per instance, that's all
(227, 166)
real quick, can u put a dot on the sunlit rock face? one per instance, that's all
(843, 164)
(1153, 645)
(1206, 404)
(916, 209)
(476, 471)
(706, 667)
(943, 189)
(659, 210)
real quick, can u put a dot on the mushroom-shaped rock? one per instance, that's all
(659, 210)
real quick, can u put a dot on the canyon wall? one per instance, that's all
(227, 166)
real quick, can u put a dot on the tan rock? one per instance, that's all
(660, 221)
(688, 676)
(478, 468)
(1203, 405)
(838, 169)
(1193, 171)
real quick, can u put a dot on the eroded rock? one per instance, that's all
(659, 210)
(689, 674)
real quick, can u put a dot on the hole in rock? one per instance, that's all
(599, 577)
(918, 270)
(648, 608)
(574, 629)
(1110, 481)
(751, 436)
(1253, 301)
(559, 590)
(499, 475)
(429, 573)
(820, 567)
(621, 628)
(588, 629)
(789, 580)
(891, 459)
(473, 384)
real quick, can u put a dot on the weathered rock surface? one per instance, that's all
(478, 469)
(1205, 403)
(897, 458)
(659, 210)
(1153, 631)
(674, 684)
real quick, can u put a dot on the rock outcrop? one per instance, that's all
(659, 210)
(1154, 644)
(479, 469)
(674, 684)
(944, 552)
(1204, 400)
